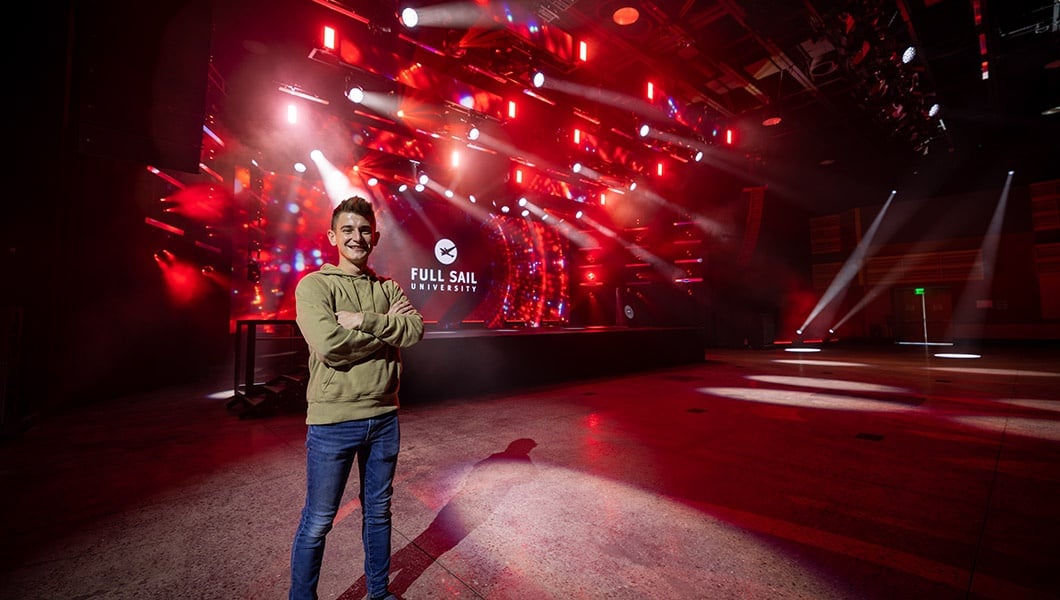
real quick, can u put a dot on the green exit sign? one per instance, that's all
(919, 291)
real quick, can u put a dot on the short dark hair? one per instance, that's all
(356, 205)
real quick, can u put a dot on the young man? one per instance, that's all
(355, 322)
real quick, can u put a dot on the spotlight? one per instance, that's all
(471, 198)
(632, 186)
(419, 187)
(908, 55)
(473, 133)
(410, 18)
(403, 187)
(934, 110)
(578, 214)
(538, 79)
(355, 94)
(798, 331)
(644, 130)
(830, 330)
(699, 155)
(423, 179)
(577, 167)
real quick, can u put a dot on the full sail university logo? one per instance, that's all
(440, 280)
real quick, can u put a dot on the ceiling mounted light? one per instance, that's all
(538, 79)
(773, 117)
(410, 18)
(644, 130)
(908, 55)
(627, 15)
(473, 133)
(934, 110)
(355, 94)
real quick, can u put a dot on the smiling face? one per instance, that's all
(355, 237)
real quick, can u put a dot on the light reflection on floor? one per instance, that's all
(807, 399)
(828, 384)
(1015, 372)
(1050, 405)
(1045, 429)
(819, 363)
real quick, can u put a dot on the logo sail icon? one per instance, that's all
(445, 251)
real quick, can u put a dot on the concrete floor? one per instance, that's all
(756, 474)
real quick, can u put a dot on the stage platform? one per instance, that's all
(271, 356)
(469, 361)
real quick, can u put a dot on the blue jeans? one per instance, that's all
(330, 452)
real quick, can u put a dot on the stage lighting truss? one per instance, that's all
(889, 76)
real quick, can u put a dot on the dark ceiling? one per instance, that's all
(854, 120)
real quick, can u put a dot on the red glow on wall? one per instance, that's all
(184, 282)
(205, 203)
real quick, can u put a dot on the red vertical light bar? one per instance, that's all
(728, 136)
(659, 168)
(577, 136)
(583, 51)
(511, 109)
(329, 37)
(977, 11)
(651, 91)
(518, 176)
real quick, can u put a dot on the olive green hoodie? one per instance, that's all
(353, 373)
